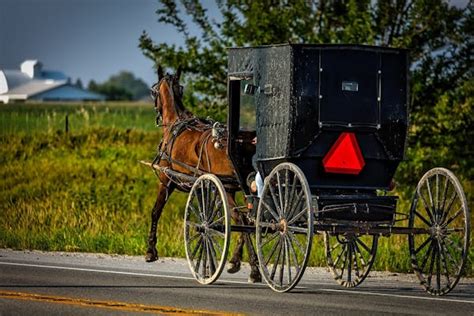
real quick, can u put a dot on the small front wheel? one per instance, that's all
(207, 229)
(350, 256)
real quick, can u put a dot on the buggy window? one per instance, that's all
(247, 106)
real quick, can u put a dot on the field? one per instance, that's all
(84, 189)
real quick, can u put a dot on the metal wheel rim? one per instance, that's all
(439, 204)
(203, 238)
(287, 242)
(349, 258)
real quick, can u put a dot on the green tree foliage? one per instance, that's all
(122, 86)
(437, 34)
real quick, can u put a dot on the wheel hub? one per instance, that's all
(438, 232)
(283, 226)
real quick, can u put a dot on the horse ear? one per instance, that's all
(178, 73)
(160, 72)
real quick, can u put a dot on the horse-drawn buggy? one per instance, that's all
(330, 124)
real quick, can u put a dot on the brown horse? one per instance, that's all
(182, 147)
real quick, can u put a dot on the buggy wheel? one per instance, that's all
(207, 229)
(284, 227)
(440, 207)
(350, 256)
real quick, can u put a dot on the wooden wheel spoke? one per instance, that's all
(296, 241)
(296, 229)
(433, 258)
(216, 245)
(269, 239)
(205, 257)
(297, 216)
(287, 191)
(423, 219)
(427, 209)
(426, 257)
(445, 193)
(349, 263)
(213, 255)
(445, 262)
(272, 252)
(203, 200)
(194, 237)
(430, 195)
(295, 208)
(198, 251)
(200, 207)
(269, 209)
(217, 221)
(437, 195)
(417, 250)
(216, 232)
(452, 218)
(360, 242)
(214, 207)
(193, 210)
(288, 259)
(282, 266)
(343, 251)
(293, 253)
(275, 264)
(275, 201)
(438, 267)
(450, 204)
(193, 224)
(455, 246)
(361, 257)
(291, 197)
(280, 195)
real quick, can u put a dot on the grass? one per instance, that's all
(85, 190)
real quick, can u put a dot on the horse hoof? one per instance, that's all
(233, 267)
(255, 277)
(151, 256)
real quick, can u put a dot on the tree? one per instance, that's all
(437, 34)
(122, 86)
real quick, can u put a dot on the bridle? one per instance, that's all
(176, 91)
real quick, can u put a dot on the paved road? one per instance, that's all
(39, 283)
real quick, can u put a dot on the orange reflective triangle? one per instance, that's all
(344, 156)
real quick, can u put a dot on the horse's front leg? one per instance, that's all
(165, 189)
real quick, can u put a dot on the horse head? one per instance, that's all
(167, 95)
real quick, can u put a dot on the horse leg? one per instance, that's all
(255, 276)
(234, 263)
(164, 191)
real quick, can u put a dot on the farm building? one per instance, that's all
(31, 82)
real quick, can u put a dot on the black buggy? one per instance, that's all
(331, 124)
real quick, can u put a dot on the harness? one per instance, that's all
(211, 131)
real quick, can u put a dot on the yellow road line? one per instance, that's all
(122, 306)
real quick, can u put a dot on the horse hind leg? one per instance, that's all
(234, 263)
(164, 191)
(255, 276)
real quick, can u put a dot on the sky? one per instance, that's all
(86, 39)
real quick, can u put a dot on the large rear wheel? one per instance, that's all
(284, 227)
(440, 208)
(207, 229)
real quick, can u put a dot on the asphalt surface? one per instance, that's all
(39, 283)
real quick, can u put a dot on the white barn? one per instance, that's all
(31, 82)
